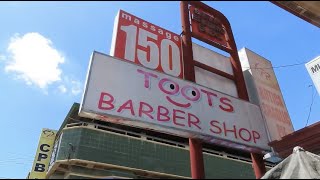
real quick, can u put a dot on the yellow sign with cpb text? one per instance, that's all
(44, 151)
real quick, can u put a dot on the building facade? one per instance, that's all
(86, 148)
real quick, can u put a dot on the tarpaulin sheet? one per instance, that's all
(300, 164)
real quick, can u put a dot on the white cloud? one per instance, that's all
(62, 89)
(32, 57)
(2, 57)
(76, 87)
(71, 85)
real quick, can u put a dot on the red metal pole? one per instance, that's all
(258, 165)
(196, 156)
(196, 159)
(187, 53)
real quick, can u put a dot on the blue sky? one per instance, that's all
(39, 84)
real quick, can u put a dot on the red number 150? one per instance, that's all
(167, 55)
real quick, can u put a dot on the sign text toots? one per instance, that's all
(150, 99)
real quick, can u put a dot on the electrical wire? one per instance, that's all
(289, 65)
(274, 67)
(312, 98)
(16, 159)
(16, 163)
(14, 155)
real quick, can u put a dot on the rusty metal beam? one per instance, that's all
(214, 70)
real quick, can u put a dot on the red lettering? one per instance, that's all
(147, 76)
(209, 95)
(270, 96)
(173, 89)
(175, 117)
(281, 130)
(127, 105)
(195, 93)
(178, 104)
(244, 133)
(163, 114)
(275, 113)
(241, 135)
(234, 130)
(143, 111)
(195, 123)
(212, 123)
(229, 107)
(102, 101)
(255, 135)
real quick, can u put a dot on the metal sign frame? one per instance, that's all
(196, 157)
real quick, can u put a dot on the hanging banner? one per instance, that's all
(43, 154)
(125, 93)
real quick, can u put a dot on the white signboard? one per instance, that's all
(313, 68)
(264, 90)
(123, 92)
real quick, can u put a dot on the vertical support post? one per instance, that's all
(187, 52)
(196, 156)
(196, 159)
(258, 165)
